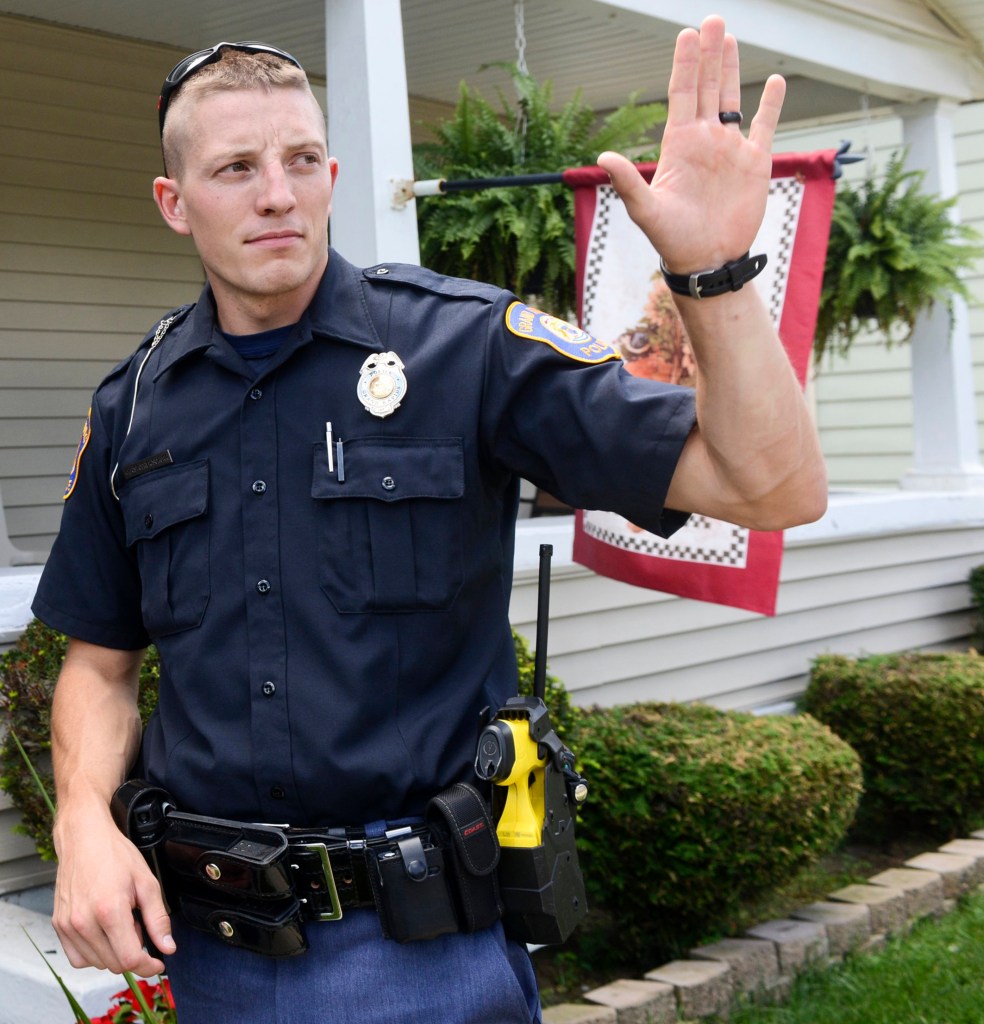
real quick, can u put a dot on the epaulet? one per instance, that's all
(166, 322)
(429, 280)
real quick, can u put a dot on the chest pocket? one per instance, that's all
(166, 521)
(390, 534)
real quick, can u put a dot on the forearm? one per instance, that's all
(102, 877)
(754, 456)
(95, 728)
(755, 438)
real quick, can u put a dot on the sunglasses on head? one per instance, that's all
(186, 67)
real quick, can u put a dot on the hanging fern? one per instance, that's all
(520, 238)
(893, 252)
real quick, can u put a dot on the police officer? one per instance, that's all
(303, 490)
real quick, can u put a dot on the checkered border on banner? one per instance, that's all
(685, 546)
(789, 189)
(606, 195)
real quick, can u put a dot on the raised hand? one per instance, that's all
(707, 199)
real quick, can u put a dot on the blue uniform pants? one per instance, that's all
(351, 975)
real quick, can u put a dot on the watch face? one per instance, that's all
(382, 384)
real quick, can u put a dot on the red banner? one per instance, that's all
(623, 300)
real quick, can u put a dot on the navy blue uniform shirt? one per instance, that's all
(327, 643)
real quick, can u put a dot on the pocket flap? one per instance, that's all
(392, 469)
(157, 501)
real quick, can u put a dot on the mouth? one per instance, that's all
(275, 239)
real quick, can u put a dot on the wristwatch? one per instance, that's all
(704, 284)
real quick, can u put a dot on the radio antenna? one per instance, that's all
(542, 623)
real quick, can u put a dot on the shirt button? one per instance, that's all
(148, 520)
(269, 688)
(256, 394)
(278, 792)
(259, 486)
(263, 586)
(389, 484)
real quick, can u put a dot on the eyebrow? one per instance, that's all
(245, 152)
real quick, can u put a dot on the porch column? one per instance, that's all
(943, 402)
(369, 131)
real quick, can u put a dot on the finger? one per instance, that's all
(763, 127)
(124, 949)
(106, 937)
(730, 76)
(629, 184)
(155, 917)
(71, 933)
(78, 953)
(711, 55)
(681, 105)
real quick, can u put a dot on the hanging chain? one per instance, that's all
(519, 9)
(869, 152)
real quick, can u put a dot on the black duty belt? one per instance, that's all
(256, 886)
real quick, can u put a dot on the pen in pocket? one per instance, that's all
(340, 459)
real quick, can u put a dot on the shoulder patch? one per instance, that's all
(528, 322)
(73, 476)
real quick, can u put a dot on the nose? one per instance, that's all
(275, 195)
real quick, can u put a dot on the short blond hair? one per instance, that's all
(235, 69)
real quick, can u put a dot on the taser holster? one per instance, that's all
(536, 790)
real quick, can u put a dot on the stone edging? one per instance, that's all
(855, 919)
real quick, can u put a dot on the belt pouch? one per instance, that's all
(460, 815)
(240, 860)
(410, 884)
(272, 928)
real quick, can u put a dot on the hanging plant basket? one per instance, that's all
(518, 238)
(894, 251)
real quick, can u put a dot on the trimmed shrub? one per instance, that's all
(693, 810)
(28, 672)
(917, 721)
(976, 581)
(563, 714)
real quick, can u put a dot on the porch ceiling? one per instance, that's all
(831, 50)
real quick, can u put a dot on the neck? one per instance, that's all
(241, 313)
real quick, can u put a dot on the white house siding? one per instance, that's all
(20, 867)
(864, 403)
(86, 264)
(843, 590)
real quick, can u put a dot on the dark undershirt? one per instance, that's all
(259, 349)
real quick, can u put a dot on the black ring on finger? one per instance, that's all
(730, 117)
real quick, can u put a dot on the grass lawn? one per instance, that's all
(934, 975)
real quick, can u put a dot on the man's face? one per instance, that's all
(254, 192)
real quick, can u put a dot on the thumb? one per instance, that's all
(631, 186)
(154, 915)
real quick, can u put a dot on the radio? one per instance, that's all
(536, 790)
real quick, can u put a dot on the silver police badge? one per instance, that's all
(382, 383)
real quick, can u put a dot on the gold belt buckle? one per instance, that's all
(335, 914)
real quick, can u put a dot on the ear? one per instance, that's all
(168, 200)
(333, 171)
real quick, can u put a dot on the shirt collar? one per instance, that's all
(338, 311)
